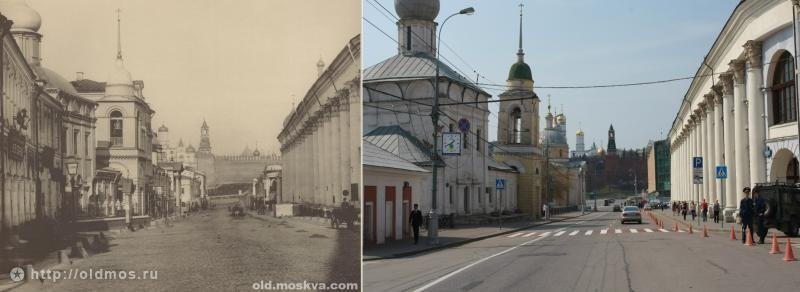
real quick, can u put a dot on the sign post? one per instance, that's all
(500, 185)
(722, 175)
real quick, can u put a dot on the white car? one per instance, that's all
(630, 214)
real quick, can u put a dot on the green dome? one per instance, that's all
(520, 71)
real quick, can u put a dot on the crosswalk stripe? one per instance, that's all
(634, 230)
(529, 234)
(604, 231)
(574, 232)
(588, 232)
(617, 230)
(544, 234)
(648, 230)
(516, 234)
(559, 233)
(663, 230)
(681, 230)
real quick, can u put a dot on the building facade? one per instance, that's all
(320, 140)
(658, 167)
(746, 118)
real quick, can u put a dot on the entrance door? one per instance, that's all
(370, 192)
(391, 215)
(466, 200)
(406, 212)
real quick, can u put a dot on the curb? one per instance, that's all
(457, 243)
(687, 224)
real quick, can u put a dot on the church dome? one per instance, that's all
(119, 80)
(163, 129)
(24, 17)
(256, 153)
(520, 71)
(601, 151)
(417, 9)
(190, 149)
(561, 119)
(580, 133)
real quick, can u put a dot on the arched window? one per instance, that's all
(792, 171)
(116, 128)
(784, 100)
(516, 126)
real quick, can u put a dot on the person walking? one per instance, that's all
(760, 208)
(684, 209)
(416, 221)
(704, 210)
(693, 209)
(545, 212)
(746, 213)
(716, 210)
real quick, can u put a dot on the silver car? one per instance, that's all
(631, 214)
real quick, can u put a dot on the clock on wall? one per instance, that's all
(451, 143)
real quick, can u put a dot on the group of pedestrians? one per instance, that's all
(694, 209)
(750, 210)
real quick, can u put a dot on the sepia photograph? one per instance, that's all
(180, 145)
(559, 145)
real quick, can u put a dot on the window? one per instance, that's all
(466, 140)
(516, 126)
(116, 128)
(784, 101)
(86, 145)
(478, 141)
(451, 195)
(450, 128)
(76, 134)
(408, 38)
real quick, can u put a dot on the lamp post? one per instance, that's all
(433, 233)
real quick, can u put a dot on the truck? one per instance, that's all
(782, 206)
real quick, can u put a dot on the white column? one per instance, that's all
(718, 146)
(728, 136)
(708, 148)
(703, 139)
(739, 128)
(756, 124)
(696, 133)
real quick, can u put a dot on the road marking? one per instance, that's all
(634, 230)
(559, 233)
(604, 231)
(516, 234)
(574, 232)
(589, 232)
(445, 277)
(681, 230)
(544, 234)
(529, 234)
(663, 230)
(617, 231)
(648, 230)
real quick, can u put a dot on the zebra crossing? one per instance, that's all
(588, 232)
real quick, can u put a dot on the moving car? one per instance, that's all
(631, 214)
(617, 208)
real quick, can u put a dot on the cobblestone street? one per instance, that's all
(211, 251)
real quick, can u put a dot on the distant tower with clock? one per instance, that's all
(612, 145)
(518, 132)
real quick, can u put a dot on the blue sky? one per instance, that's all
(581, 42)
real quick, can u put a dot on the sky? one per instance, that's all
(235, 63)
(580, 42)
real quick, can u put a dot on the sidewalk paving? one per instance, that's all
(453, 237)
(697, 224)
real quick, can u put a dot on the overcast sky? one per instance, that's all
(580, 42)
(235, 63)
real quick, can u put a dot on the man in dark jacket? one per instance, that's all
(760, 209)
(415, 220)
(746, 212)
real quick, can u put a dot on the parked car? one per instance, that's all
(631, 214)
(783, 206)
(617, 208)
(647, 207)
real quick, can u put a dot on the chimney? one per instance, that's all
(78, 76)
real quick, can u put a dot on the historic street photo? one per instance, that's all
(180, 145)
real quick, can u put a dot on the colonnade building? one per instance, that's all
(742, 109)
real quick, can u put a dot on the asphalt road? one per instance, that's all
(577, 255)
(211, 251)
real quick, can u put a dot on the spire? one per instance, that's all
(548, 105)
(520, 54)
(119, 37)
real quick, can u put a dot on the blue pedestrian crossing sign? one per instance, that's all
(722, 172)
(500, 183)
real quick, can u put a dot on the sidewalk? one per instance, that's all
(453, 237)
(697, 223)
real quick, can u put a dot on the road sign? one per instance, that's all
(697, 170)
(500, 183)
(463, 125)
(722, 172)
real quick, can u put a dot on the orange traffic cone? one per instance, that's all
(789, 256)
(775, 249)
(705, 231)
(690, 228)
(749, 239)
(733, 233)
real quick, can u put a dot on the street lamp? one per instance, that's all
(433, 221)
(75, 185)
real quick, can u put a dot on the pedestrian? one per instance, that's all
(760, 208)
(716, 210)
(684, 210)
(693, 210)
(416, 220)
(545, 212)
(704, 210)
(746, 213)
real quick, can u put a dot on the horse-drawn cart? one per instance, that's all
(345, 214)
